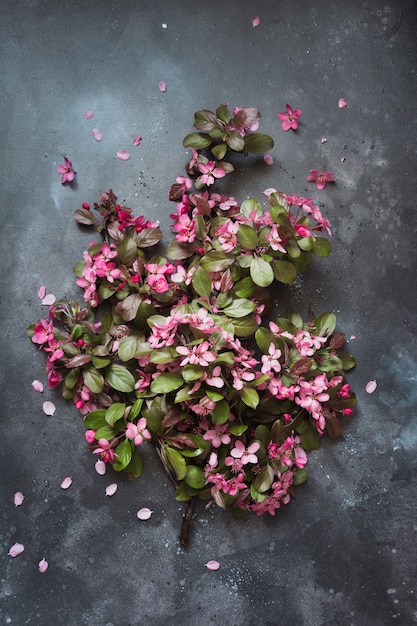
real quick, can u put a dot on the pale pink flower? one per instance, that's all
(16, 549)
(342, 103)
(246, 455)
(209, 172)
(270, 361)
(18, 498)
(217, 435)
(290, 118)
(66, 171)
(196, 355)
(214, 379)
(274, 239)
(144, 513)
(138, 432)
(43, 566)
(241, 376)
(320, 178)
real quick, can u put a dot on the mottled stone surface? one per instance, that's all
(344, 552)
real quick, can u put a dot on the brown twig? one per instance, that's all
(185, 528)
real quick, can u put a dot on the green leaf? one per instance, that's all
(264, 338)
(99, 362)
(249, 205)
(134, 469)
(95, 420)
(201, 283)
(115, 412)
(244, 326)
(135, 409)
(202, 446)
(239, 308)
(217, 261)
(348, 361)
(165, 383)
(264, 479)
(235, 141)
(177, 251)
(120, 378)
(154, 415)
(284, 271)
(195, 477)
(322, 247)
(192, 372)
(127, 347)
(261, 272)
(182, 494)
(221, 412)
(325, 324)
(306, 243)
(175, 460)
(223, 113)
(72, 377)
(258, 143)
(258, 497)
(161, 356)
(249, 396)
(93, 379)
(244, 288)
(300, 476)
(215, 396)
(128, 307)
(197, 141)
(219, 151)
(205, 120)
(105, 432)
(127, 252)
(122, 455)
(144, 311)
(262, 434)
(247, 236)
(238, 429)
(310, 439)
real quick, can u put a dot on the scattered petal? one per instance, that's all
(268, 191)
(323, 140)
(97, 134)
(16, 549)
(144, 513)
(371, 386)
(123, 155)
(89, 114)
(37, 385)
(162, 86)
(213, 565)
(137, 140)
(42, 292)
(18, 498)
(43, 566)
(256, 21)
(111, 489)
(49, 299)
(343, 159)
(342, 103)
(164, 25)
(100, 467)
(352, 337)
(269, 159)
(66, 483)
(49, 408)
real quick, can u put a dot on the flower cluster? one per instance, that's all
(181, 351)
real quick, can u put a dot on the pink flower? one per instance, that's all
(210, 172)
(289, 119)
(270, 361)
(105, 451)
(66, 171)
(217, 436)
(246, 455)
(196, 355)
(138, 432)
(320, 178)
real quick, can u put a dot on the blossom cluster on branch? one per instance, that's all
(182, 350)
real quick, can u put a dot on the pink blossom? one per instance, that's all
(138, 432)
(43, 566)
(97, 134)
(342, 103)
(214, 379)
(320, 178)
(209, 172)
(104, 449)
(290, 118)
(144, 513)
(90, 435)
(270, 361)
(236, 484)
(217, 435)
(196, 355)
(66, 171)
(18, 498)
(246, 455)
(240, 376)
(16, 549)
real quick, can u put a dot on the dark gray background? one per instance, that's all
(343, 553)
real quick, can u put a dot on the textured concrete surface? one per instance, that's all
(343, 553)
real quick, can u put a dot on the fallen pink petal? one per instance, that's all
(323, 140)
(144, 514)
(49, 299)
(16, 549)
(342, 103)
(269, 159)
(43, 566)
(100, 467)
(18, 498)
(162, 86)
(268, 191)
(37, 386)
(111, 489)
(97, 134)
(66, 483)
(89, 114)
(137, 140)
(48, 407)
(42, 292)
(343, 159)
(352, 337)
(371, 386)
(256, 21)
(213, 565)
(123, 155)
